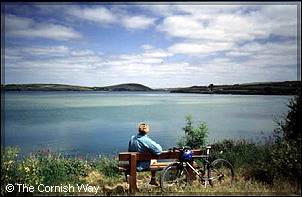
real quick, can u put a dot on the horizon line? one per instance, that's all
(145, 85)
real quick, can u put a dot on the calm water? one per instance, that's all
(93, 123)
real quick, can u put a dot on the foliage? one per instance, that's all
(108, 166)
(286, 157)
(8, 166)
(55, 170)
(241, 153)
(51, 169)
(194, 137)
(290, 127)
(286, 153)
(271, 162)
(30, 171)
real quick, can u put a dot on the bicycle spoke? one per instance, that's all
(221, 173)
(173, 178)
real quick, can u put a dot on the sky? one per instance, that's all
(160, 45)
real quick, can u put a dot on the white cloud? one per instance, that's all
(181, 26)
(84, 52)
(137, 22)
(97, 14)
(147, 46)
(26, 27)
(156, 53)
(223, 27)
(114, 16)
(159, 10)
(206, 44)
(267, 54)
(237, 24)
(37, 52)
(49, 58)
(13, 22)
(191, 48)
(278, 20)
(22, 53)
(150, 61)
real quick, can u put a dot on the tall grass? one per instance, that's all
(52, 169)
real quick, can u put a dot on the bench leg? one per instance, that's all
(126, 173)
(153, 174)
(132, 179)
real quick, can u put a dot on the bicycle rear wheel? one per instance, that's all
(174, 177)
(221, 173)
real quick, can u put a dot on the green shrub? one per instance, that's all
(29, 171)
(290, 127)
(108, 166)
(271, 162)
(241, 153)
(9, 166)
(194, 137)
(50, 169)
(56, 171)
(286, 153)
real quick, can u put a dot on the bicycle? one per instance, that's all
(220, 172)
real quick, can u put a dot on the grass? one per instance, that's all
(53, 169)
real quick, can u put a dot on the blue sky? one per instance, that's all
(160, 45)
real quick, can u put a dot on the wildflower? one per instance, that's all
(26, 169)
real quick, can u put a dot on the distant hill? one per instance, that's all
(44, 87)
(124, 87)
(61, 87)
(259, 88)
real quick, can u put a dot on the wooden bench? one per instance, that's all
(128, 161)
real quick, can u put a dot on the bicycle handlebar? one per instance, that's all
(209, 146)
(179, 148)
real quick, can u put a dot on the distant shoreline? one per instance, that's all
(259, 88)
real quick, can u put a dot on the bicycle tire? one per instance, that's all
(174, 177)
(221, 173)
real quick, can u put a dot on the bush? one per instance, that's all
(241, 153)
(108, 166)
(286, 153)
(290, 127)
(56, 171)
(40, 168)
(286, 157)
(194, 137)
(279, 161)
(30, 171)
(9, 173)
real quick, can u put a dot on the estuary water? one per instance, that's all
(81, 123)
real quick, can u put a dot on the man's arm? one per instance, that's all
(152, 146)
(130, 145)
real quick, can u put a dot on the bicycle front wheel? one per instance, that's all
(174, 177)
(221, 173)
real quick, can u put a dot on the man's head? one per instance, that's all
(143, 128)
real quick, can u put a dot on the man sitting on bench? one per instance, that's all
(142, 143)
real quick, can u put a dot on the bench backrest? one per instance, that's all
(125, 156)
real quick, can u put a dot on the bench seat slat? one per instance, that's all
(157, 166)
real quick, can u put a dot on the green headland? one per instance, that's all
(257, 88)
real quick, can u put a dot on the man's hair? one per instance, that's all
(140, 127)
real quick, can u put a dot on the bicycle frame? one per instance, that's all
(204, 170)
(206, 165)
